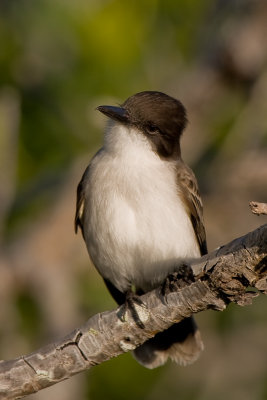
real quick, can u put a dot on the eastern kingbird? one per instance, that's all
(140, 211)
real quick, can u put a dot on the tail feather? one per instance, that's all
(181, 342)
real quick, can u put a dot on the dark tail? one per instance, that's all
(181, 342)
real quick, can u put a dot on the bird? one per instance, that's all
(140, 212)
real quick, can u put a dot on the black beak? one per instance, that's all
(116, 113)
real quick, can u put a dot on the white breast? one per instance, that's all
(135, 225)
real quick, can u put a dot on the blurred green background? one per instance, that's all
(59, 60)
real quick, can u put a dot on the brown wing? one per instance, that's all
(80, 203)
(189, 189)
(82, 188)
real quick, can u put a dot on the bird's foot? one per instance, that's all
(178, 279)
(132, 304)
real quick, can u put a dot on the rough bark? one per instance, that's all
(235, 272)
(258, 208)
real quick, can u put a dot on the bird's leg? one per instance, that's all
(129, 301)
(132, 302)
(178, 279)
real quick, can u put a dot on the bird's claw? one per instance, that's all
(178, 279)
(132, 302)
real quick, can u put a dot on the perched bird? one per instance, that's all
(140, 212)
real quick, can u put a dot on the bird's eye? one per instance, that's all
(152, 129)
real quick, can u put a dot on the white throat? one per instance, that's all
(121, 139)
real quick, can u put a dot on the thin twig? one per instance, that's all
(258, 208)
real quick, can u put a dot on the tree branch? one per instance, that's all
(221, 277)
(258, 208)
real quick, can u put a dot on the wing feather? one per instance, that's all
(189, 189)
(78, 222)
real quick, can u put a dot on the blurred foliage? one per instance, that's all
(30, 316)
(101, 382)
(59, 60)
